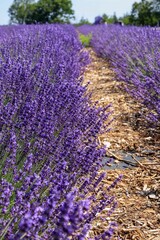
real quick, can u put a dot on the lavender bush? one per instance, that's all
(86, 29)
(48, 137)
(135, 55)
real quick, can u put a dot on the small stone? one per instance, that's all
(106, 144)
(152, 196)
(148, 138)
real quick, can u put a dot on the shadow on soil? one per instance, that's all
(128, 160)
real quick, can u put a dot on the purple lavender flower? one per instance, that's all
(134, 53)
(48, 135)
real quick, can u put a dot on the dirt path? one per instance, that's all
(138, 194)
(128, 130)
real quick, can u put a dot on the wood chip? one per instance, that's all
(137, 215)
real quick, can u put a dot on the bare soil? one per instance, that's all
(138, 193)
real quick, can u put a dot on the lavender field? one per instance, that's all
(134, 53)
(50, 155)
(118, 54)
(50, 181)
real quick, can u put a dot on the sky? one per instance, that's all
(91, 8)
(83, 8)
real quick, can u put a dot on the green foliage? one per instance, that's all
(109, 19)
(83, 21)
(19, 10)
(145, 13)
(85, 39)
(113, 19)
(105, 18)
(141, 13)
(43, 11)
(126, 19)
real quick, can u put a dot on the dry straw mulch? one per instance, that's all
(138, 193)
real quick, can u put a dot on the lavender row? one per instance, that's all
(87, 29)
(48, 137)
(135, 55)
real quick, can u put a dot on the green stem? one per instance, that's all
(5, 230)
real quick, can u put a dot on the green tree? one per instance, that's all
(126, 19)
(141, 13)
(19, 10)
(105, 18)
(115, 19)
(83, 21)
(156, 11)
(145, 13)
(110, 19)
(43, 11)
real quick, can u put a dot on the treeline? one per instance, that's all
(42, 11)
(144, 13)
